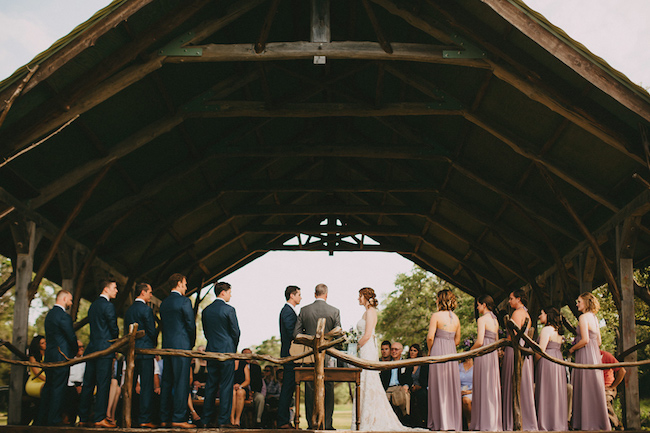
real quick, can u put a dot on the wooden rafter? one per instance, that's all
(383, 41)
(266, 27)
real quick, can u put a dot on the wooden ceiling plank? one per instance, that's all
(383, 41)
(83, 41)
(609, 276)
(574, 59)
(530, 86)
(342, 50)
(320, 109)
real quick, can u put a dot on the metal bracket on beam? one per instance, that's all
(468, 51)
(175, 48)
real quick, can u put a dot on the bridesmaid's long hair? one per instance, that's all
(370, 296)
(554, 319)
(446, 300)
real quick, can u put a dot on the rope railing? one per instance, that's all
(319, 346)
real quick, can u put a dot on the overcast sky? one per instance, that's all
(616, 30)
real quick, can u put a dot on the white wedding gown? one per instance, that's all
(376, 412)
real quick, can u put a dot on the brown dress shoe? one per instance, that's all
(148, 425)
(105, 423)
(183, 425)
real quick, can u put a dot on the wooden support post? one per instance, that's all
(127, 389)
(24, 234)
(67, 257)
(626, 239)
(320, 25)
(516, 374)
(318, 415)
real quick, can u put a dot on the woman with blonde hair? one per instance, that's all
(445, 408)
(589, 403)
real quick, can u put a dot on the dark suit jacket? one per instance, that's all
(142, 314)
(309, 315)
(103, 326)
(404, 375)
(221, 327)
(177, 322)
(256, 377)
(288, 318)
(59, 333)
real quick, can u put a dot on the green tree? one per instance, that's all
(405, 314)
(269, 347)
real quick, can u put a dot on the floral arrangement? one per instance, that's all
(353, 335)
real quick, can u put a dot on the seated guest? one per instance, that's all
(257, 388)
(36, 378)
(195, 418)
(117, 379)
(385, 351)
(75, 381)
(199, 373)
(420, 377)
(239, 391)
(397, 383)
(466, 370)
(613, 377)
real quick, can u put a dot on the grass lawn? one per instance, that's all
(342, 418)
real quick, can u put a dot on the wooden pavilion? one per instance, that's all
(472, 137)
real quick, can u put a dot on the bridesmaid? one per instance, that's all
(445, 412)
(550, 378)
(589, 405)
(486, 407)
(517, 301)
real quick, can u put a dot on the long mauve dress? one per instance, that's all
(486, 404)
(527, 400)
(445, 410)
(551, 392)
(589, 405)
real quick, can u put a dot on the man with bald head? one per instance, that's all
(397, 383)
(306, 324)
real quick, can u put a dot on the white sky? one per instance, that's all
(616, 30)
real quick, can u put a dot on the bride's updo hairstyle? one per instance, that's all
(446, 300)
(370, 296)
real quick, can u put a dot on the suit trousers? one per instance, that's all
(53, 396)
(98, 372)
(144, 370)
(286, 394)
(221, 376)
(309, 403)
(175, 389)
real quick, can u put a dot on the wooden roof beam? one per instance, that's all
(343, 50)
(383, 41)
(266, 27)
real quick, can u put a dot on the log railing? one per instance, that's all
(319, 345)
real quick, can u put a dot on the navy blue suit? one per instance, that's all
(288, 320)
(59, 334)
(140, 313)
(103, 328)
(178, 327)
(221, 329)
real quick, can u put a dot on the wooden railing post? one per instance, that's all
(128, 378)
(318, 415)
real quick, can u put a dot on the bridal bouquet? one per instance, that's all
(353, 335)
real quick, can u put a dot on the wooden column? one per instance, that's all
(320, 25)
(318, 415)
(516, 376)
(127, 389)
(24, 234)
(626, 240)
(68, 263)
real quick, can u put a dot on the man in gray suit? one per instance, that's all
(306, 324)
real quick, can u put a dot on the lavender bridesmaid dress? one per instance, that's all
(445, 410)
(589, 405)
(486, 404)
(551, 392)
(528, 413)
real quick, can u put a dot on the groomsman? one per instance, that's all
(178, 328)
(306, 324)
(140, 313)
(288, 318)
(103, 328)
(61, 343)
(221, 329)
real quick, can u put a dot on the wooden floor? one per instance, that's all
(29, 429)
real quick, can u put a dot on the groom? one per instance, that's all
(306, 324)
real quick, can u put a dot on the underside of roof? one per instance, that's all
(473, 138)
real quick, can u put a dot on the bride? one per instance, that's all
(376, 412)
